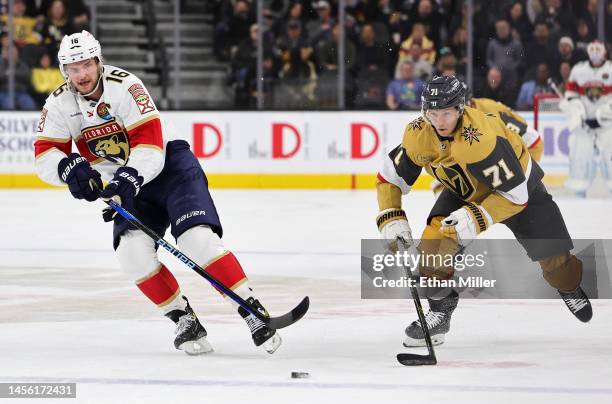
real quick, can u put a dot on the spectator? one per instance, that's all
(565, 52)
(295, 13)
(244, 67)
(422, 68)
(78, 13)
(371, 55)
(584, 35)
(45, 79)
(26, 29)
(299, 79)
(56, 26)
(23, 100)
(559, 19)
(540, 49)
(428, 52)
(505, 53)
(521, 26)
(293, 38)
(405, 93)
(424, 13)
(532, 87)
(372, 71)
(328, 53)
(495, 88)
(229, 33)
(447, 64)
(327, 93)
(590, 14)
(458, 46)
(320, 30)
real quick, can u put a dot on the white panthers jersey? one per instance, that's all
(122, 128)
(592, 84)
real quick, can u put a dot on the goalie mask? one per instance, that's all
(597, 53)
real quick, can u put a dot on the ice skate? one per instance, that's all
(262, 335)
(190, 334)
(578, 303)
(438, 322)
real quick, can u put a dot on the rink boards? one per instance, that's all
(277, 150)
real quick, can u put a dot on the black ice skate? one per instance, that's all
(578, 303)
(438, 322)
(190, 334)
(262, 334)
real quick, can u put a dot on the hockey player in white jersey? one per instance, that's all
(121, 138)
(588, 106)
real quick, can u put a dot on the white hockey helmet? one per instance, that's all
(597, 52)
(77, 47)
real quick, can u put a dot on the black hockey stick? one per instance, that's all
(273, 322)
(410, 359)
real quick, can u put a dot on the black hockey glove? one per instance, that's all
(77, 173)
(124, 186)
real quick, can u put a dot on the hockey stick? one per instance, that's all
(273, 322)
(410, 359)
(554, 87)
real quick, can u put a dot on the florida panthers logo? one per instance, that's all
(108, 141)
(103, 111)
(112, 149)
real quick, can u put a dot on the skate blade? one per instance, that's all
(435, 340)
(198, 347)
(272, 344)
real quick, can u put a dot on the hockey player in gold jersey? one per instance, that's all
(489, 177)
(512, 120)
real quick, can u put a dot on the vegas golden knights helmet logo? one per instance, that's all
(455, 179)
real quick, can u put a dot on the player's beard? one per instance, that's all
(98, 81)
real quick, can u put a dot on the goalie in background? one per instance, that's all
(588, 106)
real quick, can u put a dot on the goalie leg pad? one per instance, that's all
(582, 169)
(563, 271)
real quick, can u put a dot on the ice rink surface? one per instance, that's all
(69, 314)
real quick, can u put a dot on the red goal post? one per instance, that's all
(544, 102)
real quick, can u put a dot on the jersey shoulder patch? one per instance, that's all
(476, 137)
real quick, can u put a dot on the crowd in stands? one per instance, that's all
(38, 28)
(394, 46)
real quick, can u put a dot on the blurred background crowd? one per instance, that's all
(38, 28)
(391, 47)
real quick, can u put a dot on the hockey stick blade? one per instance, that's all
(408, 359)
(272, 322)
(289, 318)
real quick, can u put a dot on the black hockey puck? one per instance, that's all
(300, 375)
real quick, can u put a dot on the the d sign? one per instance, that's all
(202, 135)
(357, 133)
(278, 140)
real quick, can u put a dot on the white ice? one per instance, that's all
(67, 313)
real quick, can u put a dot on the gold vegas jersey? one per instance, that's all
(513, 121)
(482, 162)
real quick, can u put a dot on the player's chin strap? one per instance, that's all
(75, 91)
(273, 322)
